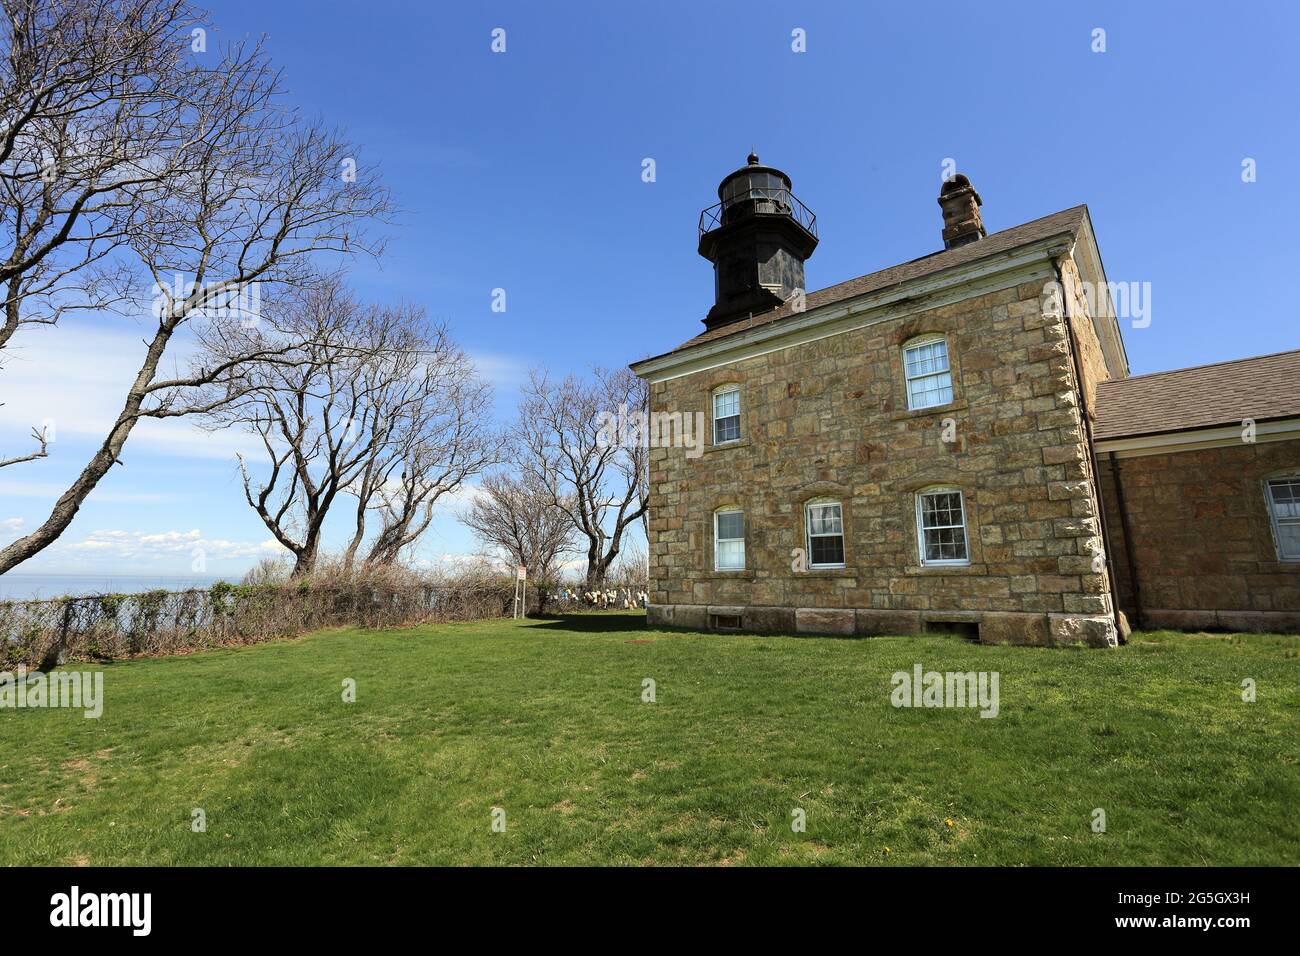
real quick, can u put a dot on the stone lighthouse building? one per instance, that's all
(917, 449)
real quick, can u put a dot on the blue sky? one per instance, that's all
(522, 171)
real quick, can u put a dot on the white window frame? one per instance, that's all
(808, 535)
(717, 565)
(908, 378)
(1274, 520)
(921, 529)
(717, 393)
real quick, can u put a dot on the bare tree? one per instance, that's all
(251, 199)
(363, 401)
(632, 569)
(90, 107)
(600, 484)
(435, 430)
(430, 471)
(41, 437)
(94, 110)
(393, 351)
(308, 403)
(519, 517)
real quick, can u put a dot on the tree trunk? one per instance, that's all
(305, 558)
(595, 570)
(302, 566)
(388, 546)
(350, 555)
(66, 508)
(543, 597)
(13, 300)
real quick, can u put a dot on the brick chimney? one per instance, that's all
(961, 212)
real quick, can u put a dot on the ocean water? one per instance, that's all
(27, 587)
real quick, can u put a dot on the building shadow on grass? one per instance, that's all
(591, 623)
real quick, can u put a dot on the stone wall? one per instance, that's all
(1092, 361)
(829, 419)
(1202, 542)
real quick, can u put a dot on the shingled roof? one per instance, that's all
(1226, 393)
(1065, 222)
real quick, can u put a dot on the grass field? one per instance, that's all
(545, 720)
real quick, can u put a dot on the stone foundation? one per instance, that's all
(994, 627)
(1257, 622)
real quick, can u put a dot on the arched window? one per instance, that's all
(928, 374)
(941, 526)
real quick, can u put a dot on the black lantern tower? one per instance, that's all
(757, 238)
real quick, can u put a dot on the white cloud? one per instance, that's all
(459, 498)
(505, 372)
(51, 490)
(75, 376)
(129, 545)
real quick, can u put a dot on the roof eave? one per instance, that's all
(1105, 323)
(951, 277)
(1223, 435)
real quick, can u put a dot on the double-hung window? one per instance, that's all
(941, 527)
(929, 377)
(1284, 511)
(726, 415)
(825, 521)
(729, 540)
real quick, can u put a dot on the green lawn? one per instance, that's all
(545, 720)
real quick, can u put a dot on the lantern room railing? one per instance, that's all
(763, 200)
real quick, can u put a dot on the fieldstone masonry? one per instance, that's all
(1203, 554)
(1196, 466)
(829, 419)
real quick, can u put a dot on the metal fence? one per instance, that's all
(41, 634)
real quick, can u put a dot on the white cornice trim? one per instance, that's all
(1104, 322)
(1285, 429)
(1022, 264)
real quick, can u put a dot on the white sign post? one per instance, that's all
(521, 592)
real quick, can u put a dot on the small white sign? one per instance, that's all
(522, 573)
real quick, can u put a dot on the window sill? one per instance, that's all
(956, 405)
(746, 575)
(738, 443)
(965, 568)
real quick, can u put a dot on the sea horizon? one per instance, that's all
(19, 586)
